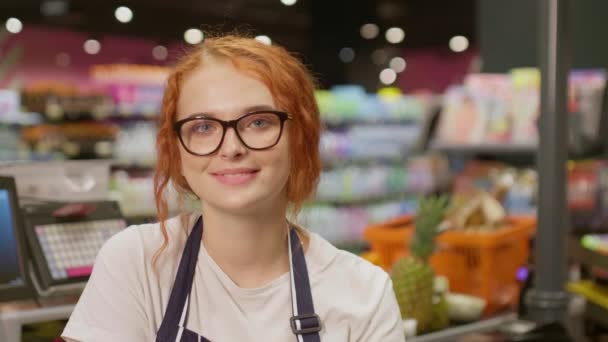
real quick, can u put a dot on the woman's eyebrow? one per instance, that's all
(245, 110)
(257, 108)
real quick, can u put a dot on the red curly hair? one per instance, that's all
(292, 87)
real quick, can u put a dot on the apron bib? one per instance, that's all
(304, 323)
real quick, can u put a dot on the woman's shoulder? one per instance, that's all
(355, 287)
(144, 240)
(329, 261)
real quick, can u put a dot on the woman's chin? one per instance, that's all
(241, 206)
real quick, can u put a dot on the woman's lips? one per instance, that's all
(235, 176)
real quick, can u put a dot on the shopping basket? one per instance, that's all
(480, 263)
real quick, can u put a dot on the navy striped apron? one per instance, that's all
(305, 324)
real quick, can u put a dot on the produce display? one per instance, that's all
(479, 212)
(515, 188)
(413, 276)
(455, 262)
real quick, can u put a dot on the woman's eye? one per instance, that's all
(259, 123)
(203, 128)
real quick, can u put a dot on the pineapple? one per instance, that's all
(413, 277)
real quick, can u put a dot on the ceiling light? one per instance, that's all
(388, 76)
(289, 2)
(264, 39)
(160, 53)
(459, 43)
(369, 31)
(398, 64)
(92, 46)
(123, 14)
(14, 25)
(193, 36)
(395, 35)
(347, 55)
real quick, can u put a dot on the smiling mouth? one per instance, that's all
(235, 172)
(235, 177)
(239, 174)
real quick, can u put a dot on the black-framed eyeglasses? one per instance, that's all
(201, 135)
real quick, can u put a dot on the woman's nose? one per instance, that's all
(232, 146)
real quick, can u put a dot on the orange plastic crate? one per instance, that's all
(483, 264)
(390, 239)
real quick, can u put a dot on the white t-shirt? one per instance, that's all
(125, 299)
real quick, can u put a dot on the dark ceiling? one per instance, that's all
(316, 29)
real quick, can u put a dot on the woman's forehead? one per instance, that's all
(223, 90)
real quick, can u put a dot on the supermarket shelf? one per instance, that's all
(584, 255)
(341, 162)
(373, 199)
(451, 334)
(127, 164)
(125, 117)
(115, 117)
(517, 150)
(336, 123)
(27, 120)
(493, 149)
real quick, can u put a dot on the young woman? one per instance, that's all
(240, 131)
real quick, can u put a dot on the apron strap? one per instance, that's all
(305, 323)
(178, 302)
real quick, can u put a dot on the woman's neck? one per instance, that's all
(251, 250)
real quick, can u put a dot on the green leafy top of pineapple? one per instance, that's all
(431, 211)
